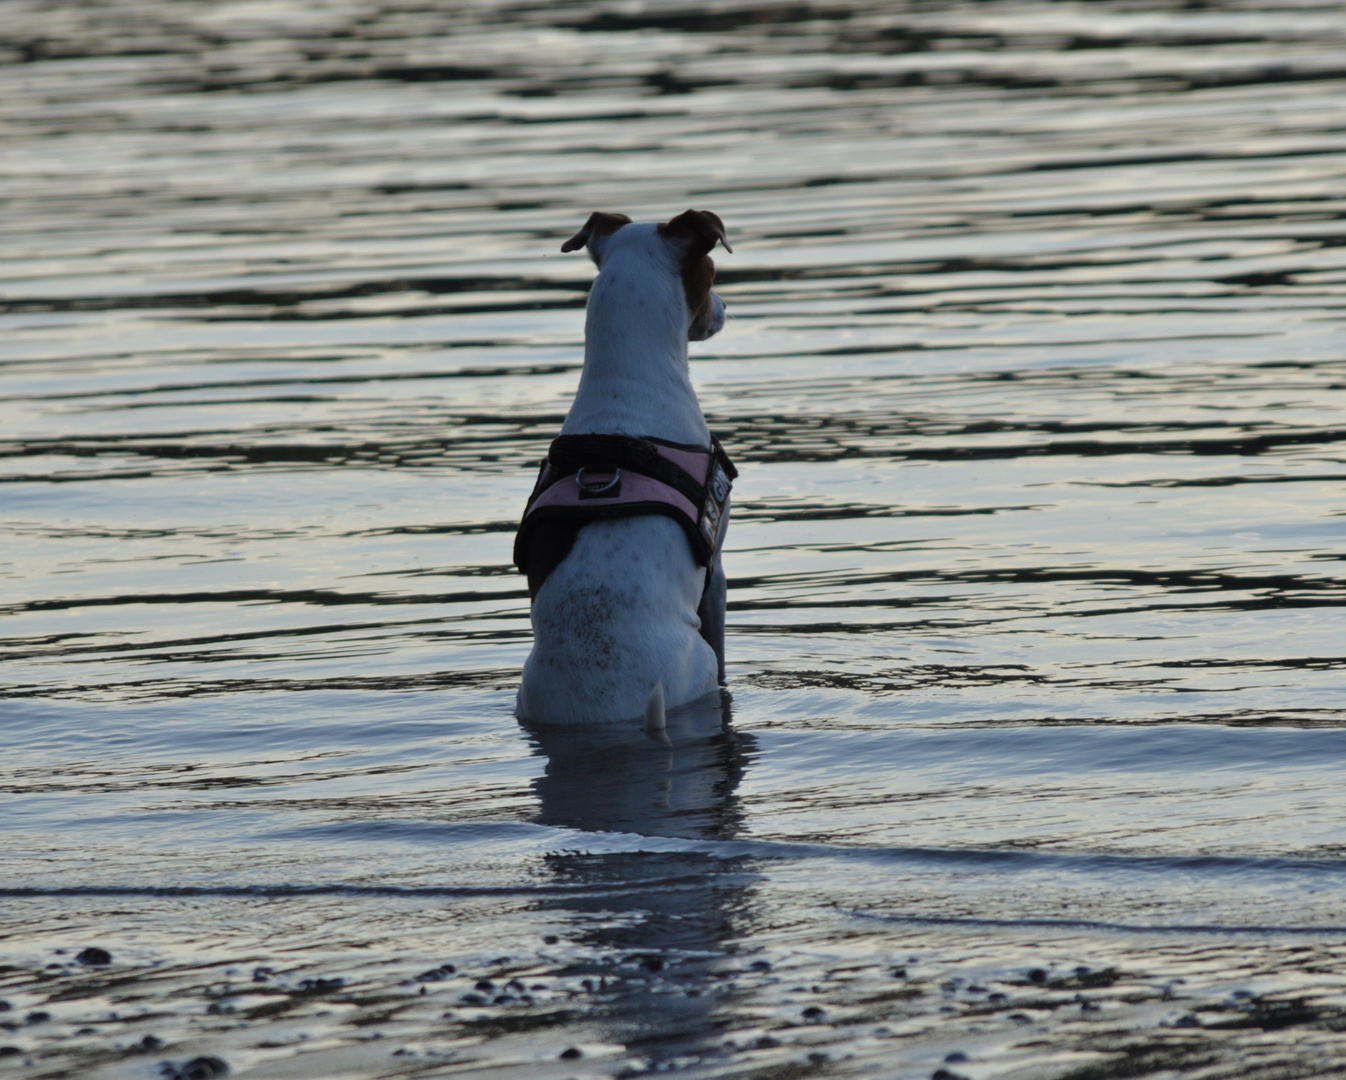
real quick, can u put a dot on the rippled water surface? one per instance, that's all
(1031, 761)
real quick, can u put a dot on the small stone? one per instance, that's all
(472, 999)
(766, 1042)
(150, 1042)
(9, 1051)
(813, 1012)
(485, 985)
(38, 1016)
(95, 956)
(761, 965)
(5, 1006)
(1188, 1021)
(571, 1053)
(201, 1068)
(1037, 975)
(550, 939)
(321, 986)
(955, 1058)
(261, 974)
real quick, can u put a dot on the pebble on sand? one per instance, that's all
(199, 1068)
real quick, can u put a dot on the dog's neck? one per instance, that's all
(636, 379)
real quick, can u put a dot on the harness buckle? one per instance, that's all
(599, 489)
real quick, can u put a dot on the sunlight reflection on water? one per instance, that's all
(1033, 374)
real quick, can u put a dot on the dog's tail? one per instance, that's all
(655, 720)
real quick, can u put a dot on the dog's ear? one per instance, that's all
(699, 230)
(595, 232)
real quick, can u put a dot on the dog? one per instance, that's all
(621, 539)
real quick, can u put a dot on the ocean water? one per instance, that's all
(1030, 763)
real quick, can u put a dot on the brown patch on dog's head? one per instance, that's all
(595, 233)
(699, 230)
(696, 232)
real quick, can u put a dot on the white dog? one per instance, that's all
(621, 538)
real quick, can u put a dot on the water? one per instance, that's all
(1031, 761)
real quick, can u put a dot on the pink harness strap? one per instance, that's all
(695, 463)
(591, 477)
(634, 488)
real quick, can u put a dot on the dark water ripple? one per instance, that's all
(1034, 374)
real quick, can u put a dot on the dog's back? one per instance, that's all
(622, 604)
(617, 616)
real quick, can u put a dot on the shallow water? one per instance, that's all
(1030, 764)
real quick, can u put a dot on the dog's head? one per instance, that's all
(689, 238)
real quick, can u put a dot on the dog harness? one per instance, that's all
(588, 478)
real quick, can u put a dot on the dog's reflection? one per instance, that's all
(655, 921)
(679, 782)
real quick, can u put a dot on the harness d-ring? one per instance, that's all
(597, 489)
